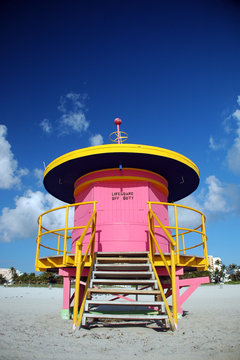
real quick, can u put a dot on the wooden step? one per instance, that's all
(122, 274)
(150, 282)
(134, 317)
(112, 270)
(122, 259)
(123, 267)
(123, 291)
(123, 254)
(96, 302)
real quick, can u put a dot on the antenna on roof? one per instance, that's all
(118, 136)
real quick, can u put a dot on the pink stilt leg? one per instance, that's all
(65, 313)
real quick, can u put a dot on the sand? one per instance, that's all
(31, 328)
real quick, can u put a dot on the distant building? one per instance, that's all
(7, 274)
(215, 263)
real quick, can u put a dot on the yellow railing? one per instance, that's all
(171, 318)
(152, 244)
(80, 260)
(175, 232)
(155, 223)
(59, 235)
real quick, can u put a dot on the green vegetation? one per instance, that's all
(230, 273)
(222, 273)
(2, 280)
(44, 278)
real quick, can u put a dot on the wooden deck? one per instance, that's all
(191, 262)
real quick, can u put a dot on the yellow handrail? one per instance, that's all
(191, 247)
(172, 257)
(163, 228)
(58, 250)
(171, 320)
(80, 314)
(80, 261)
(181, 231)
(154, 242)
(58, 233)
(174, 245)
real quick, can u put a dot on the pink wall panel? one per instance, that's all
(82, 214)
(162, 213)
(122, 222)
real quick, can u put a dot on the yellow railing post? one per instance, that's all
(171, 320)
(173, 276)
(149, 231)
(176, 229)
(65, 236)
(80, 265)
(153, 244)
(174, 245)
(152, 248)
(93, 232)
(204, 242)
(79, 319)
(58, 248)
(77, 286)
(38, 240)
(150, 236)
(183, 244)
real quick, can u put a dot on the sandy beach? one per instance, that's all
(31, 328)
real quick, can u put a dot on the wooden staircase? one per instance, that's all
(123, 287)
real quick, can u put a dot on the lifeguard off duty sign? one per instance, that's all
(122, 195)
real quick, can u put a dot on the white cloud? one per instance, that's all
(188, 218)
(221, 198)
(215, 146)
(218, 199)
(38, 173)
(236, 115)
(233, 155)
(74, 122)
(96, 140)
(21, 221)
(215, 200)
(73, 108)
(72, 102)
(227, 124)
(238, 100)
(10, 174)
(46, 126)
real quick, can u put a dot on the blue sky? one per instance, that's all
(169, 69)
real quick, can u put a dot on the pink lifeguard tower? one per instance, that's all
(122, 236)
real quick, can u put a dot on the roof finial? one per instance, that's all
(118, 122)
(118, 136)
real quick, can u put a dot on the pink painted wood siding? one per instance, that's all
(122, 221)
(162, 213)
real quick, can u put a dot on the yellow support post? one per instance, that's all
(174, 291)
(79, 319)
(150, 232)
(77, 286)
(65, 236)
(38, 240)
(93, 232)
(171, 319)
(176, 229)
(204, 238)
(59, 237)
(183, 244)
